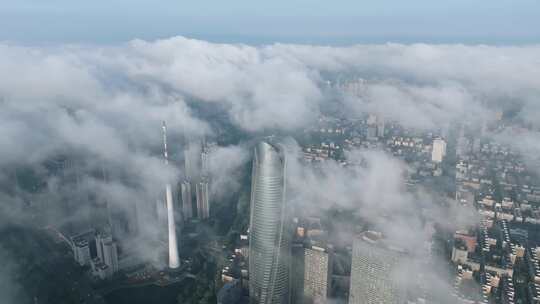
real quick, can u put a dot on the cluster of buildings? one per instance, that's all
(312, 262)
(496, 257)
(96, 247)
(196, 177)
(281, 259)
(285, 259)
(98, 250)
(195, 186)
(423, 151)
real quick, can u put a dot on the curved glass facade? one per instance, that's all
(269, 242)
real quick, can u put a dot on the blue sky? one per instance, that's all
(332, 22)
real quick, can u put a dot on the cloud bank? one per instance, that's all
(103, 107)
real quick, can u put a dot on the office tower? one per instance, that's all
(269, 244)
(374, 278)
(439, 150)
(187, 205)
(317, 274)
(107, 252)
(203, 207)
(174, 259)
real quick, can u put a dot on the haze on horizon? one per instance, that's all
(298, 21)
(85, 87)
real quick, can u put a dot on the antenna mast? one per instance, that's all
(165, 153)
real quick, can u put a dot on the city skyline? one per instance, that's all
(313, 152)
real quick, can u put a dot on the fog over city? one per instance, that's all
(103, 107)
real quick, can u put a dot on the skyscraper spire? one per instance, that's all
(269, 243)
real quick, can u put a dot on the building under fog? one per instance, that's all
(105, 265)
(317, 274)
(380, 126)
(81, 251)
(192, 160)
(205, 159)
(107, 250)
(374, 277)
(269, 239)
(311, 273)
(197, 179)
(187, 205)
(174, 259)
(80, 245)
(203, 205)
(438, 151)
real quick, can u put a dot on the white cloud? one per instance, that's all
(105, 104)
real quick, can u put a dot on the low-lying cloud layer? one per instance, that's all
(104, 105)
(127, 88)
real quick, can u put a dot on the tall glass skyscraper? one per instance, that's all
(269, 238)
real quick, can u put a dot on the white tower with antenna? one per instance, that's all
(174, 260)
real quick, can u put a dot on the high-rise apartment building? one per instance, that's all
(203, 205)
(107, 252)
(311, 273)
(374, 273)
(81, 251)
(269, 238)
(187, 205)
(317, 274)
